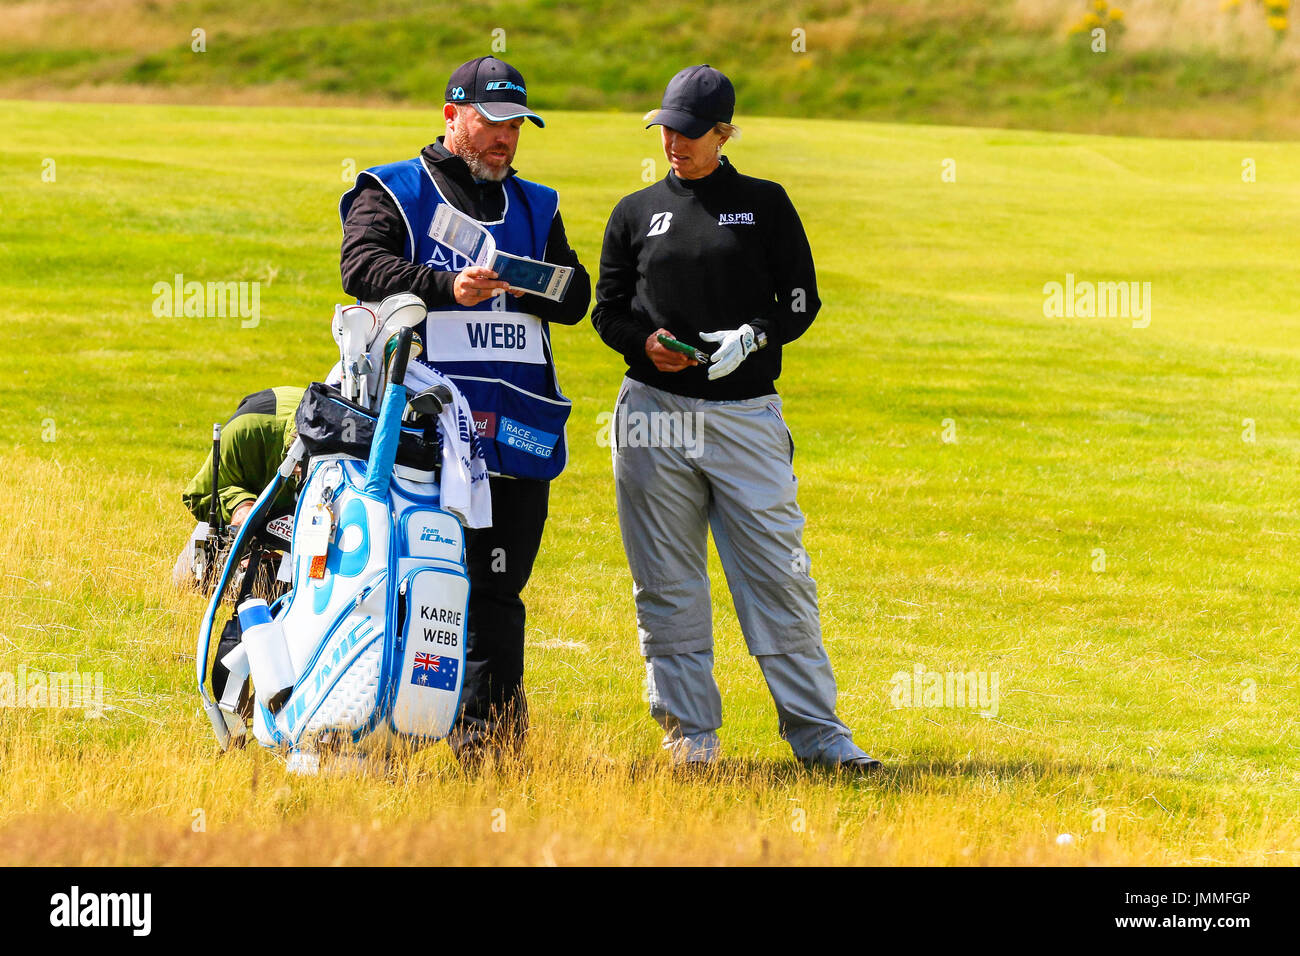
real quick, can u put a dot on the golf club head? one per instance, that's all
(353, 327)
(390, 350)
(431, 401)
(358, 321)
(357, 318)
(402, 311)
(417, 346)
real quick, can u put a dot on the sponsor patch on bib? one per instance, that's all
(526, 438)
(485, 424)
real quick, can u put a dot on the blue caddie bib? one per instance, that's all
(498, 355)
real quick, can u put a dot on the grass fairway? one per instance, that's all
(1147, 701)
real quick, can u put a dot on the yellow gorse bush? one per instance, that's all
(1275, 13)
(1101, 14)
(1277, 10)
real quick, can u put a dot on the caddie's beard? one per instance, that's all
(460, 145)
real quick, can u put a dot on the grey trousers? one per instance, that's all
(683, 466)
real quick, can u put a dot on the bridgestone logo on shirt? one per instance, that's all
(659, 223)
(735, 219)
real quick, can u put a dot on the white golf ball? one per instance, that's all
(1065, 839)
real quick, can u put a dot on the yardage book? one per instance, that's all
(457, 231)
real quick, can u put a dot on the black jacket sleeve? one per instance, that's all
(617, 323)
(373, 267)
(794, 277)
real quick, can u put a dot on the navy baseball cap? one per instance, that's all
(493, 87)
(696, 99)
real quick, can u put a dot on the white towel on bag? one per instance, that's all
(464, 487)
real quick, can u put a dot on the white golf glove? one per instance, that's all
(735, 345)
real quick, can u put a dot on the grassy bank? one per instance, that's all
(1182, 68)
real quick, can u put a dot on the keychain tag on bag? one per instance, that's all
(313, 533)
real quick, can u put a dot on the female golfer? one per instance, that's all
(717, 262)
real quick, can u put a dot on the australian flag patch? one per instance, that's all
(429, 670)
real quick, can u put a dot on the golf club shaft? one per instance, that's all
(214, 508)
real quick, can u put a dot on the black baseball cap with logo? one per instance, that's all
(696, 99)
(493, 87)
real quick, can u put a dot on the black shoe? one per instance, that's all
(857, 766)
(862, 766)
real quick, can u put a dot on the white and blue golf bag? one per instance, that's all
(371, 637)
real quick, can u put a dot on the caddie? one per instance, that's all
(718, 263)
(494, 345)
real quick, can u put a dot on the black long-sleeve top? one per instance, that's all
(374, 236)
(705, 255)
